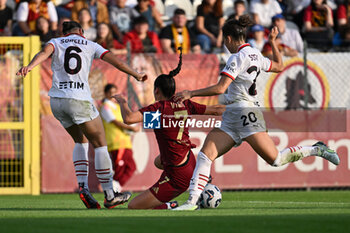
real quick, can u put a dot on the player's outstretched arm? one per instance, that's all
(129, 117)
(216, 89)
(216, 110)
(114, 61)
(277, 62)
(38, 58)
(122, 125)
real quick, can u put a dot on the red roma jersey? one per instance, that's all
(173, 139)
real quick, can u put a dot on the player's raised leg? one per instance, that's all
(81, 166)
(159, 196)
(93, 130)
(264, 146)
(216, 144)
(144, 200)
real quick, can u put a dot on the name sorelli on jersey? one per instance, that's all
(77, 41)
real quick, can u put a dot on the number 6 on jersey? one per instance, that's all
(68, 55)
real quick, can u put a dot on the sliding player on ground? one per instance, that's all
(176, 157)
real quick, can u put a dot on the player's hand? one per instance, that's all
(142, 77)
(181, 96)
(119, 98)
(23, 71)
(136, 128)
(273, 34)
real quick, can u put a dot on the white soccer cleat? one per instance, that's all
(327, 153)
(187, 206)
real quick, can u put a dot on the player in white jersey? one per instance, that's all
(242, 120)
(71, 104)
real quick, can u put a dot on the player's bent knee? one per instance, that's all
(210, 150)
(98, 141)
(96, 144)
(133, 205)
(210, 154)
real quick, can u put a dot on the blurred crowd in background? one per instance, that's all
(160, 26)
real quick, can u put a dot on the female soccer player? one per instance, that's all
(176, 157)
(71, 104)
(242, 119)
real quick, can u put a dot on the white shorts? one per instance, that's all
(72, 111)
(242, 119)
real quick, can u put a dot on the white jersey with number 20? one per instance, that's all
(243, 68)
(71, 63)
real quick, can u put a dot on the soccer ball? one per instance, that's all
(210, 197)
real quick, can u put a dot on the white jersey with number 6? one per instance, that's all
(71, 63)
(243, 68)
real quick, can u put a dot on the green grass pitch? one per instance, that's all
(273, 211)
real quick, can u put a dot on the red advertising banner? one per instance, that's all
(240, 168)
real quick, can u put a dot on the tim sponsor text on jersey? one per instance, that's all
(71, 84)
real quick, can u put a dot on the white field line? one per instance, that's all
(291, 202)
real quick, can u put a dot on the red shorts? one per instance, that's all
(123, 165)
(174, 180)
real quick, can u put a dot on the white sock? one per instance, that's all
(104, 171)
(81, 163)
(200, 177)
(293, 154)
(116, 186)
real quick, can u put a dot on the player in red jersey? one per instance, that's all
(176, 157)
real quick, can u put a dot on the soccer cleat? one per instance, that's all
(187, 206)
(172, 205)
(88, 200)
(327, 153)
(119, 198)
(210, 179)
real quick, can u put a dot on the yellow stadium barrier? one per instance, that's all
(19, 118)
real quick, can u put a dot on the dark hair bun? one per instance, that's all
(245, 21)
(69, 26)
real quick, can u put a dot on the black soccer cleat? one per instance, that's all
(119, 198)
(172, 205)
(88, 200)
